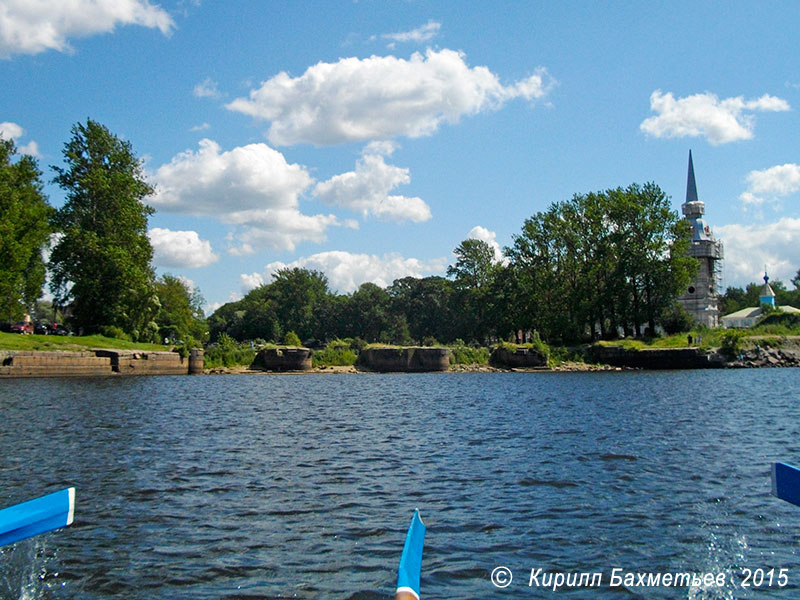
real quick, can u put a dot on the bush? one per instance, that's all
(228, 353)
(461, 354)
(676, 320)
(338, 353)
(292, 339)
(536, 344)
(731, 343)
(112, 331)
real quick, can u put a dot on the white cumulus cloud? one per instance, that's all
(180, 249)
(771, 184)
(367, 190)
(748, 248)
(705, 115)
(12, 131)
(33, 26)
(346, 271)
(484, 235)
(251, 187)
(380, 98)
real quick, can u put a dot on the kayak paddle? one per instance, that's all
(36, 516)
(408, 572)
(786, 482)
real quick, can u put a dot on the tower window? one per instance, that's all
(691, 289)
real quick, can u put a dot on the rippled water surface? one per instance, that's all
(303, 486)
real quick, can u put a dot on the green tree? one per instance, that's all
(732, 300)
(101, 262)
(296, 294)
(24, 231)
(181, 310)
(614, 259)
(425, 306)
(368, 313)
(473, 273)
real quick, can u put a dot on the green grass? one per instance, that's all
(15, 341)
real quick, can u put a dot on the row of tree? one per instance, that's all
(100, 257)
(595, 266)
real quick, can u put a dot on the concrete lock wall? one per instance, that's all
(666, 358)
(133, 362)
(282, 359)
(96, 362)
(52, 364)
(405, 360)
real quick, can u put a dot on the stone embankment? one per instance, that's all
(97, 362)
(766, 357)
(693, 358)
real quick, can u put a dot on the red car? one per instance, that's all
(22, 327)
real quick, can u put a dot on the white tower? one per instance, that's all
(701, 298)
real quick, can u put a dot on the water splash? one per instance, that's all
(27, 571)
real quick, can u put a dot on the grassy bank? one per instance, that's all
(15, 341)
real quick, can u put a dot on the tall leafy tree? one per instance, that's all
(474, 273)
(101, 262)
(297, 293)
(613, 260)
(24, 231)
(180, 314)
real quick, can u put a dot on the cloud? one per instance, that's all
(210, 181)
(251, 281)
(207, 89)
(12, 131)
(419, 35)
(201, 127)
(346, 271)
(366, 190)
(771, 184)
(33, 26)
(719, 121)
(749, 247)
(251, 187)
(180, 249)
(380, 98)
(483, 234)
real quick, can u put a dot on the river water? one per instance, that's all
(302, 486)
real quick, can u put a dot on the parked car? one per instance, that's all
(22, 327)
(56, 329)
(41, 328)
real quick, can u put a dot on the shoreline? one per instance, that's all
(103, 362)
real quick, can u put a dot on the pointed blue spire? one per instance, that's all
(691, 185)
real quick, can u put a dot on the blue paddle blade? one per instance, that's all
(786, 482)
(408, 572)
(36, 516)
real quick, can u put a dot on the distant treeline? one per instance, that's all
(596, 266)
(592, 267)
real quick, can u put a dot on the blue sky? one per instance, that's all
(368, 139)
